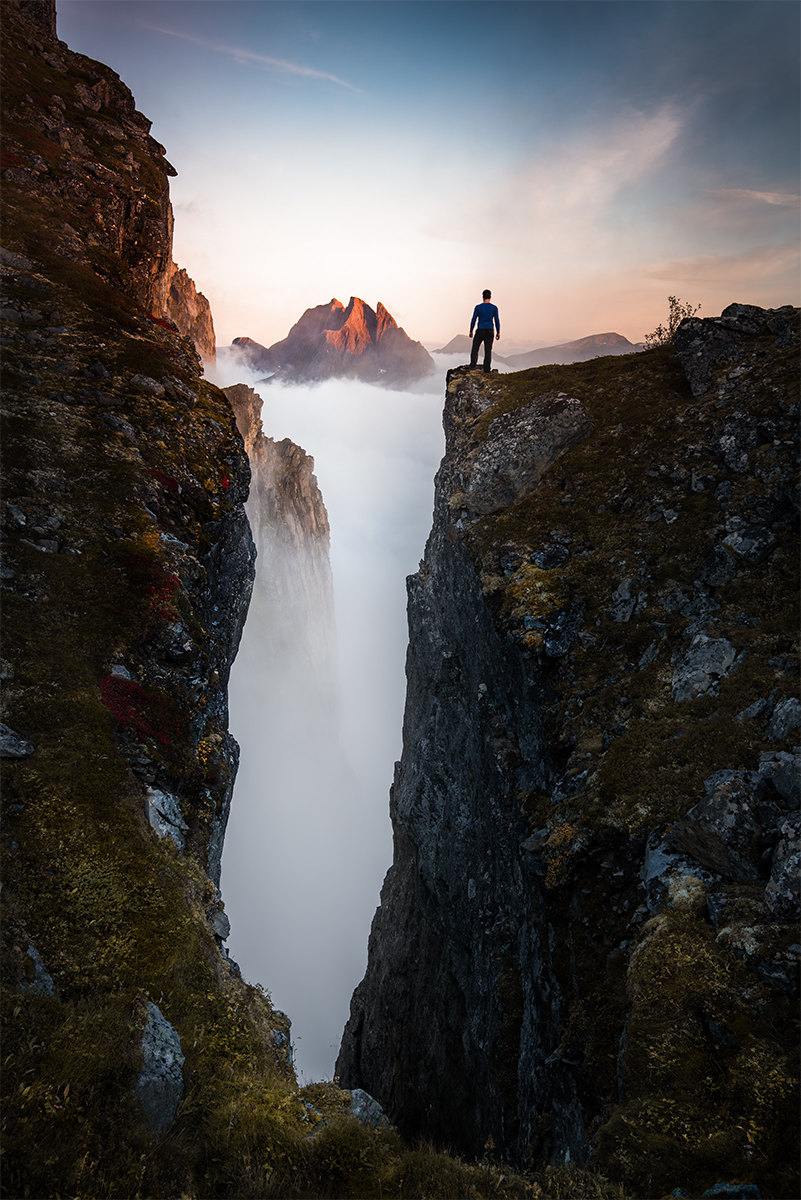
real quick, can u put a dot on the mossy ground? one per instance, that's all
(650, 439)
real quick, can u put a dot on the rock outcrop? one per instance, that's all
(191, 312)
(332, 341)
(293, 603)
(126, 573)
(585, 949)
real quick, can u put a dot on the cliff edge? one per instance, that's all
(586, 948)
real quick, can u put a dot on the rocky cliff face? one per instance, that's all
(332, 341)
(191, 312)
(294, 598)
(586, 949)
(126, 573)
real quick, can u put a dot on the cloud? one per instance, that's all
(759, 263)
(559, 200)
(783, 199)
(251, 58)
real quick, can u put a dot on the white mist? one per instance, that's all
(309, 838)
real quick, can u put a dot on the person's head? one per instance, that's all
(487, 294)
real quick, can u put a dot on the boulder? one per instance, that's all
(160, 1083)
(705, 344)
(783, 892)
(41, 984)
(164, 814)
(366, 1109)
(12, 745)
(698, 670)
(520, 447)
(786, 717)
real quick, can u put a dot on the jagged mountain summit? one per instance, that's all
(332, 341)
(596, 345)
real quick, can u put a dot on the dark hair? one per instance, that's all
(486, 294)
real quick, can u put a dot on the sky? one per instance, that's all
(583, 159)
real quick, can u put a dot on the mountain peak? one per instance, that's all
(334, 341)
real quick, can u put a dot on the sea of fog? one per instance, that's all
(309, 838)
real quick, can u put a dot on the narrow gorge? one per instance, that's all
(583, 975)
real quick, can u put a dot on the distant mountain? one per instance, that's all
(332, 341)
(594, 346)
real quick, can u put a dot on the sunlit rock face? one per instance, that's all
(334, 341)
(589, 925)
(293, 603)
(191, 312)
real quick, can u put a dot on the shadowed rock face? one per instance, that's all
(595, 813)
(126, 574)
(332, 341)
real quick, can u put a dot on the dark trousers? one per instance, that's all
(486, 336)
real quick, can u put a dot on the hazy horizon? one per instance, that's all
(584, 159)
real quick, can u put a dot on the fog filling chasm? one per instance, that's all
(309, 838)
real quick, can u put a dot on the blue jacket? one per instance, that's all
(486, 314)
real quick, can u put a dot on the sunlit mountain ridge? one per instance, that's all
(331, 341)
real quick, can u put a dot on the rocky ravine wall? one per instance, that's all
(293, 603)
(586, 947)
(127, 566)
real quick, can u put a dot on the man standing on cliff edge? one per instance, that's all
(486, 315)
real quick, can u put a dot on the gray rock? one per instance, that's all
(145, 384)
(719, 567)
(12, 745)
(698, 670)
(666, 867)
(160, 1083)
(218, 919)
(741, 434)
(783, 892)
(119, 425)
(366, 1109)
(754, 543)
(783, 772)
(754, 710)
(41, 984)
(701, 604)
(733, 1191)
(521, 446)
(722, 829)
(786, 717)
(164, 814)
(16, 261)
(703, 345)
(623, 603)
